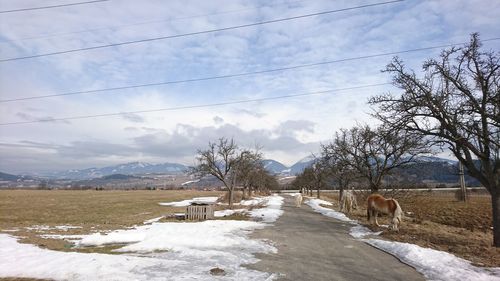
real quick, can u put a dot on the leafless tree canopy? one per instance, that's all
(372, 153)
(456, 104)
(233, 166)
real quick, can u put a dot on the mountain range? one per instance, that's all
(141, 168)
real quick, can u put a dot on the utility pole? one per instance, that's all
(463, 190)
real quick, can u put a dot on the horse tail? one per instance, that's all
(398, 212)
(368, 208)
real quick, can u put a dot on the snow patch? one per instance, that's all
(272, 211)
(188, 182)
(225, 213)
(152, 220)
(184, 203)
(40, 228)
(315, 205)
(434, 264)
(179, 251)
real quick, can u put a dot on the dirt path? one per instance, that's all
(315, 247)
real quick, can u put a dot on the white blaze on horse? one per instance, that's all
(377, 203)
(298, 200)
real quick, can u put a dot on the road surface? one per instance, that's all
(315, 247)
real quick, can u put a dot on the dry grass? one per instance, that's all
(437, 220)
(93, 211)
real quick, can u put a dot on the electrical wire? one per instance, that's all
(198, 32)
(234, 75)
(50, 7)
(194, 106)
(118, 27)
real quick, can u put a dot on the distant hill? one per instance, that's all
(273, 166)
(118, 177)
(436, 171)
(9, 177)
(299, 167)
(133, 168)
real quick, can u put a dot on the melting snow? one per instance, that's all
(187, 252)
(188, 202)
(272, 211)
(225, 213)
(433, 264)
(315, 204)
(57, 227)
(436, 265)
(152, 220)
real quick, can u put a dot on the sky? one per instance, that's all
(287, 129)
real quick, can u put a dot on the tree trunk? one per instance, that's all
(341, 192)
(495, 203)
(243, 194)
(230, 198)
(317, 192)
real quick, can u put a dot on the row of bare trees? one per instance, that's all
(234, 167)
(363, 155)
(454, 105)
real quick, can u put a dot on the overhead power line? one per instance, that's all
(117, 27)
(193, 106)
(50, 7)
(234, 75)
(199, 32)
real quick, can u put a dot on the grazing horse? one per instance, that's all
(298, 200)
(348, 201)
(377, 203)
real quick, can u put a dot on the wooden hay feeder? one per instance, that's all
(200, 211)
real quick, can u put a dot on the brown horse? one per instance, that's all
(377, 203)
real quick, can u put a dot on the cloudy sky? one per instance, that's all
(288, 128)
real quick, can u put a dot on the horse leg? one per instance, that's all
(375, 215)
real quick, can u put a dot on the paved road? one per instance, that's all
(315, 247)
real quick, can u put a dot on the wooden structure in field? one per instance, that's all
(200, 211)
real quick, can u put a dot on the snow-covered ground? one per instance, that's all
(433, 264)
(188, 202)
(156, 251)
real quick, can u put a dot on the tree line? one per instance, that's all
(454, 104)
(234, 167)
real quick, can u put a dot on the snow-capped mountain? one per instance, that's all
(435, 159)
(133, 168)
(299, 167)
(273, 166)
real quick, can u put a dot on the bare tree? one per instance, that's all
(222, 160)
(250, 171)
(262, 180)
(341, 173)
(373, 153)
(304, 180)
(319, 174)
(455, 104)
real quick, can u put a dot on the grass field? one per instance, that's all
(92, 211)
(439, 221)
(434, 220)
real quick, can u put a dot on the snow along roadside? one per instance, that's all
(433, 264)
(177, 251)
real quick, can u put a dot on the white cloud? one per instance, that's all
(405, 25)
